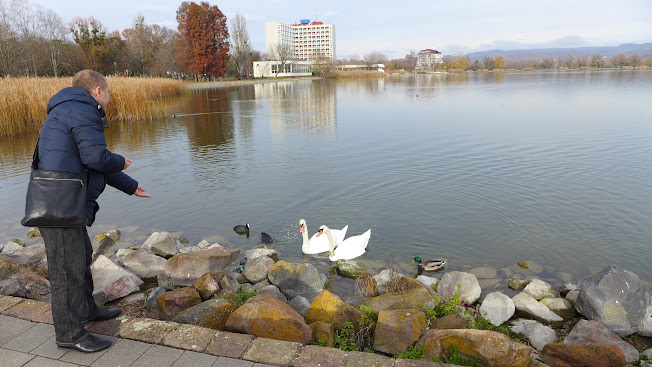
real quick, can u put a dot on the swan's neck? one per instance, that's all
(306, 241)
(331, 248)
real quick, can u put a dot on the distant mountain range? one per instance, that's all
(644, 50)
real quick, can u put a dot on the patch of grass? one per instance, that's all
(240, 297)
(413, 353)
(445, 307)
(344, 338)
(456, 359)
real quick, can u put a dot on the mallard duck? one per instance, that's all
(350, 248)
(429, 265)
(315, 244)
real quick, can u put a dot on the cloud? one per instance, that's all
(563, 42)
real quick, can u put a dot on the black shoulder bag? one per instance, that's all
(54, 198)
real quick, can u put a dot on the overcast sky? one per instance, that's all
(398, 27)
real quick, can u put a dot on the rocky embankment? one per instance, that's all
(604, 320)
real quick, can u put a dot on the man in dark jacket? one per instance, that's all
(72, 140)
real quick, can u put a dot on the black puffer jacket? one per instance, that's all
(72, 138)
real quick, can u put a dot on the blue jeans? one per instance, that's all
(69, 254)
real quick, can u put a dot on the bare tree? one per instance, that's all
(240, 48)
(635, 60)
(284, 54)
(54, 32)
(8, 37)
(618, 60)
(375, 57)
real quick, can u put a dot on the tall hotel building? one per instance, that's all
(309, 40)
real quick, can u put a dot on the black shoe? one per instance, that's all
(103, 315)
(89, 343)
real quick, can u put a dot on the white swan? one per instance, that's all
(350, 248)
(316, 244)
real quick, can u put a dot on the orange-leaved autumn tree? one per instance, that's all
(203, 44)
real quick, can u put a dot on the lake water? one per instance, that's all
(479, 169)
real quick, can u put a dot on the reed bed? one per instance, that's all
(23, 101)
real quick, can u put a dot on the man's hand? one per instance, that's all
(127, 163)
(140, 192)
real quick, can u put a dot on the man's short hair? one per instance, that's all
(89, 79)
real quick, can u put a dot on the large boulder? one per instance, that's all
(594, 355)
(528, 307)
(9, 267)
(172, 303)
(590, 332)
(416, 298)
(262, 250)
(322, 334)
(329, 308)
(396, 330)
(616, 298)
(103, 245)
(469, 287)
(112, 279)
(539, 289)
(144, 264)
(163, 244)
(26, 284)
(256, 269)
(32, 255)
(208, 285)
(211, 314)
(299, 304)
(296, 279)
(560, 306)
(184, 269)
(497, 308)
(646, 325)
(267, 317)
(538, 334)
(490, 347)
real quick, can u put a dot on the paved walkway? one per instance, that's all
(27, 339)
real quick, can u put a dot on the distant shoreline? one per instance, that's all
(229, 83)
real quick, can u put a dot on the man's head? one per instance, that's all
(95, 84)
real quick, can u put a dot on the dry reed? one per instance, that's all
(365, 285)
(23, 101)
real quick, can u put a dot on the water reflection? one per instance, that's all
(305, 107)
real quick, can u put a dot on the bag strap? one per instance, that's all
(35, 158)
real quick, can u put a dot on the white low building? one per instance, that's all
(271, 69)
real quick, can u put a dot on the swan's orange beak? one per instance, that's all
(320, 232)
(301, 229)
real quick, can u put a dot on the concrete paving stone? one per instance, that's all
(363, 359)
(13, 328)
(231, 345)
(231, 362)
(84, 359)
(190, 337)
(109, 327)
(147, 330)
(12, 358)
(274, 352)
(194, 359)
(49, 349)
(27, 310)
(8, 301)
(159, 356)
(314, 355)
(4, 319)
(31, 338)
(47, 362)
(45, 318)
(122, 354)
